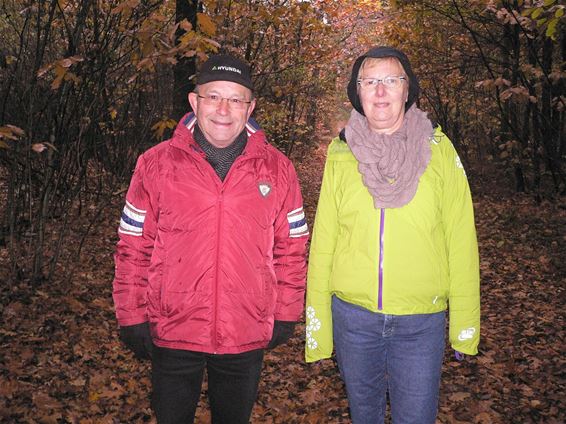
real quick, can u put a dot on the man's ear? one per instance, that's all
(193, 97)
(251, 108)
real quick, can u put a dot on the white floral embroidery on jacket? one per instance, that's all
(313, 325)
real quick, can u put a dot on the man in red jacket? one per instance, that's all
(210, 265)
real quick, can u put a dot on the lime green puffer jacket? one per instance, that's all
(417, 259)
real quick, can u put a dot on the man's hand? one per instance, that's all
(138, 339)
(282, 331)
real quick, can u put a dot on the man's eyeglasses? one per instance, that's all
(215, 100)
(388, 82)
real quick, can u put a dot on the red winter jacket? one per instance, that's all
(210, 263)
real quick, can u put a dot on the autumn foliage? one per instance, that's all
(85, 86)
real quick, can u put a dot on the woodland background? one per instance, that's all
(85, 86)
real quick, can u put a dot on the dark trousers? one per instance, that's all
(232, 385)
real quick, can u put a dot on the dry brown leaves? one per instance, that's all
(61, 360)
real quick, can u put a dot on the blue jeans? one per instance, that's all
(401, 354)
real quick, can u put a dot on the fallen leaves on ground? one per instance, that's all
(61, 360)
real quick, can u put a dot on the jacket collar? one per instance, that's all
(183, 137)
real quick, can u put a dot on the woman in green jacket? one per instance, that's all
(394, 246)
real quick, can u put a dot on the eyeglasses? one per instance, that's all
(216, 100)
(388, 82)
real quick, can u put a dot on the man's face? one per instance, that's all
(222, 122)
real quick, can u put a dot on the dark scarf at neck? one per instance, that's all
(221, 159)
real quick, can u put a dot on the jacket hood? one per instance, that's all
(377, 52)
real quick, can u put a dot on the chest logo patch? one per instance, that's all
(264, 189)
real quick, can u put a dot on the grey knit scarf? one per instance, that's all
(391, 164)
(221, 159)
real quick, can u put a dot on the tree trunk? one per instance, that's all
(550, 137)
(185, 68)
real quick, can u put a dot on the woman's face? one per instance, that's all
(384, 107)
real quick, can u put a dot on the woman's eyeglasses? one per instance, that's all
(388, 82)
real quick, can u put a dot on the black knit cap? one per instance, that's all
(223, 67)
(383, 51)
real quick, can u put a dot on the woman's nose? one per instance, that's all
(380, 89)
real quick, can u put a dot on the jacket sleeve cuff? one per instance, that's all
(319, 341)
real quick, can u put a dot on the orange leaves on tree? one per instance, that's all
(9, 132)
(40, 147)
(194, 42)
(549, 14)
(160, 127)
(112, 112)
(205, 24)
(519, 93)
(159, 42)
(126, 7)
(60, 69)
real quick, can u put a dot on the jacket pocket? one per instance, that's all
(268, 298)
(163, 272)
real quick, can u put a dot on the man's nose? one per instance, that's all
(223, 106)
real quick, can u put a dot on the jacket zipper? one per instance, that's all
(220, 208)
(381, 237)
(218, 227)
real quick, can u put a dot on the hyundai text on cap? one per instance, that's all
(224, 67)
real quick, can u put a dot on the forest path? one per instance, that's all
(61, 360)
